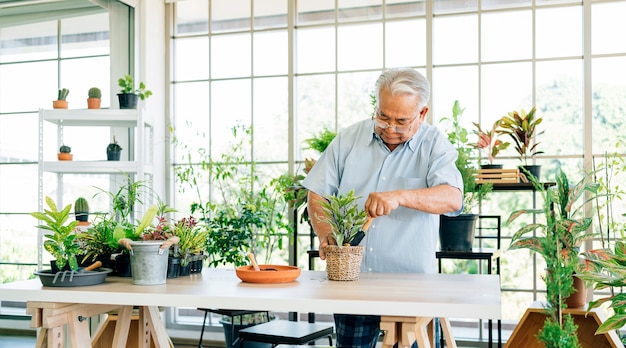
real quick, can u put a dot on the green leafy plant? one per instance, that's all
(558, 241)
(65, 149)
(61, 243)
(246, 213)
(522, 127)
(466, 162)
(344, 216)
(488, 139)
(94, 92)
(62, 95)
(320, 141)
(127, 84)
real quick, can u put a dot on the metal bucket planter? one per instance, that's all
(148, 260)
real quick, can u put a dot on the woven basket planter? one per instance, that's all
(343, 262)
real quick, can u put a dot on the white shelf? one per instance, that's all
(95, 167)
(94, 118)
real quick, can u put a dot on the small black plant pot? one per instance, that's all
(82, 217)
(534, 170)
(113, 155)
(491, 166)
(173, 267)
(128, 100)
(122, 266)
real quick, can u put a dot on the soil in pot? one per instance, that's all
(457, 233)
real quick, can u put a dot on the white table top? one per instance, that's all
(436, 295)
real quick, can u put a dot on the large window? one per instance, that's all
(292, 67)
(36, 60)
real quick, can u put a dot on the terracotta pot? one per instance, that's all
(579, 297)
(59, 104)
(65, 156)
(93, 103)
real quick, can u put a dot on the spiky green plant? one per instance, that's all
(81, 206)
(343, 214)
(65, 149)
(94, 92)
(114, 146)
(522, 127)
(62, 95)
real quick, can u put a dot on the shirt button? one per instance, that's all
(383, 178)
(371, 249)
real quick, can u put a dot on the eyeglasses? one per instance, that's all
(403, 127)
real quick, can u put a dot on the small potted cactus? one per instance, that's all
(114, 151)
(61, 102)
(81, 211)
(95, 95)
(64, 153)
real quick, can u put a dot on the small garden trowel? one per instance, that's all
(361, 234)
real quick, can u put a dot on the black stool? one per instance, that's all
(286, 332)
(233, 313)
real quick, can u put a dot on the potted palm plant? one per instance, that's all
(341, 212)
(457, 233)
(558, 241)
(522, 128)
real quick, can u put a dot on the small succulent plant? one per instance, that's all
(94, 92)
(114, 146)
(63, 94)
(81, 209)
(65, 149)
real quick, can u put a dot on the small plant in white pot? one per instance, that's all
(341, 212)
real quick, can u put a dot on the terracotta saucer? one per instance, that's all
(268, 274)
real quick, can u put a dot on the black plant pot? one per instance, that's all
(457, 233)
(173, 267)
(122, 266)
(128, 100)
(82, 217)
(113, 155)
(534, 170)
(491, 166)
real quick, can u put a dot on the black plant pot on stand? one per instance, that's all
(457, 233)
(534, 170)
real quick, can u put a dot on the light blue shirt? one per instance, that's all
(405, 240)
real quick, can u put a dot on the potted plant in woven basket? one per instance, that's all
(341, 212)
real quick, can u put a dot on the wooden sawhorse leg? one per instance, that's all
(407, 330)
